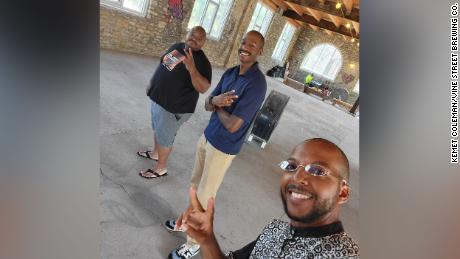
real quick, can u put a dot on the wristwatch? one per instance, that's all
(210, 100)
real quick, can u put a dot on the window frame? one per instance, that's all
(118, 5)
(268, 10)
(304, 68)
(202, 16)
(288, 28)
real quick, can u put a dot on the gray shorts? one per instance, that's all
(166, 124)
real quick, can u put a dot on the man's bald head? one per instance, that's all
(259, 35)
(195, 38)
(345, 165)
(199, 29)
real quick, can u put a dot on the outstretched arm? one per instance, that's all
(198, 223)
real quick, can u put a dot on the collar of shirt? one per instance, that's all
(254, 68)
(322, 231)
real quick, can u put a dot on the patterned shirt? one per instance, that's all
(280, 240)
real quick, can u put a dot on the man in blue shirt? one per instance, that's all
(234, 103)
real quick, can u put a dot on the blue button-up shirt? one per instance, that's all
(250, 89)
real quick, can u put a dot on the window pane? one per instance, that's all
(197, 13)
(276, 52)
(261, 19)
(283, 42)
(254, 17)
(260, 16)
(209, 16)
(136, 5)
(324, 60)
(266, 22)
(221, 18)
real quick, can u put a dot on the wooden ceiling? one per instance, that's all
(321, 14)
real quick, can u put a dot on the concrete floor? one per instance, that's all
(133, 209)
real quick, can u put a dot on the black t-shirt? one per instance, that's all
(171, 86)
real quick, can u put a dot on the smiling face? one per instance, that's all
(195, 38)
(312, 199)
(251, 47)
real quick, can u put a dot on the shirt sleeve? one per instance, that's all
(244, 252)
(205, 70)
(251, 100)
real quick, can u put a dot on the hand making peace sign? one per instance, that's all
(197, 222)
(189, 62)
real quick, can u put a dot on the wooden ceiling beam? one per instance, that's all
(356, 26)
(329, 7)
(281, 4)
(314, 13)
(322, 24)
(336, 21)
(348, 5)
(313, 27)
(297, 24)
(270, 4)
(296, 8)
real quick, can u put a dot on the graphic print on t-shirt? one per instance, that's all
(171, 59)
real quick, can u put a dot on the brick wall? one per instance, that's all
(271, 38)
(153, 34)
(150, 35)
(308, 38)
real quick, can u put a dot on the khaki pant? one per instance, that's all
(208, 173)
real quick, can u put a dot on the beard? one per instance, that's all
(321, 207)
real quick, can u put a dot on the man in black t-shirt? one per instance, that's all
(184, 72)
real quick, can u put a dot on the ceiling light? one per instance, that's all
(348, 25)
(338, 5)
(358, 44)
(352, 65)
(352, 39)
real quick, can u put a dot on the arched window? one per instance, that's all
(324, 60)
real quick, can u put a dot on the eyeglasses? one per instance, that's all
(312, 169)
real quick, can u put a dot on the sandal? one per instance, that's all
(153, 174)
(146, 154)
